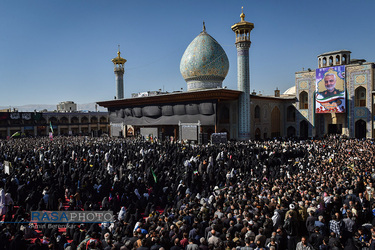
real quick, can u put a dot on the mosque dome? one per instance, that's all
(290, 91)
(204, 64)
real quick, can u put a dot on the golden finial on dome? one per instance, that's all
(242, 15)
(118, 59)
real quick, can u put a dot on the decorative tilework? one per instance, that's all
(119, 84)
(243, 52)
(196, 85)
(360, 112)
(303, 85)
(355, 76)
(309, 114)
(305, 113)
(350, 87)
(204, 60)
(364, 67)
(243, 84)
(360, 79)
(299, 75)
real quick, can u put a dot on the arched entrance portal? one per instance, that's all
(303, 129)
(360, 129)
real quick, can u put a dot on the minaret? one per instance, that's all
(242, 30)
(119, 72)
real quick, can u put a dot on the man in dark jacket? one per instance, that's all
(310, 222)
(291, 228)
(316, 238)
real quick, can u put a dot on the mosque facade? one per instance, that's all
(204, 65)
(348, 109)
(335, 98)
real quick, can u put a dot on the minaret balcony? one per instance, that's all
(242, 39)
(120, 70)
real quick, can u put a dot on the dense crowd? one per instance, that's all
(276, 194)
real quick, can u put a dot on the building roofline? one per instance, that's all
(72, 113)
(189, 96)
(346, 65)
(272, 97)
(334, 52)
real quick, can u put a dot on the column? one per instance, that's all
(243, 76)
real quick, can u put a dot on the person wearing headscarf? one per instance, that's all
(121, 214)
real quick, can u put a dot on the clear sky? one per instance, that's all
(61, 50)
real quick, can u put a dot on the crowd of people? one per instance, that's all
(275, 194)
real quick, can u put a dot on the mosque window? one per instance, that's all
(324, 62)
(303, 100)
(360, 97)
(330, 61)
(344, 59)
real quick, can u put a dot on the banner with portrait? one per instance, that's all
(330, 96)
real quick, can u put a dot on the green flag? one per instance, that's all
(50, 126)
(15, 134)
(154, 175)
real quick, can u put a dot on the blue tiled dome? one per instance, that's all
(204, 64)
